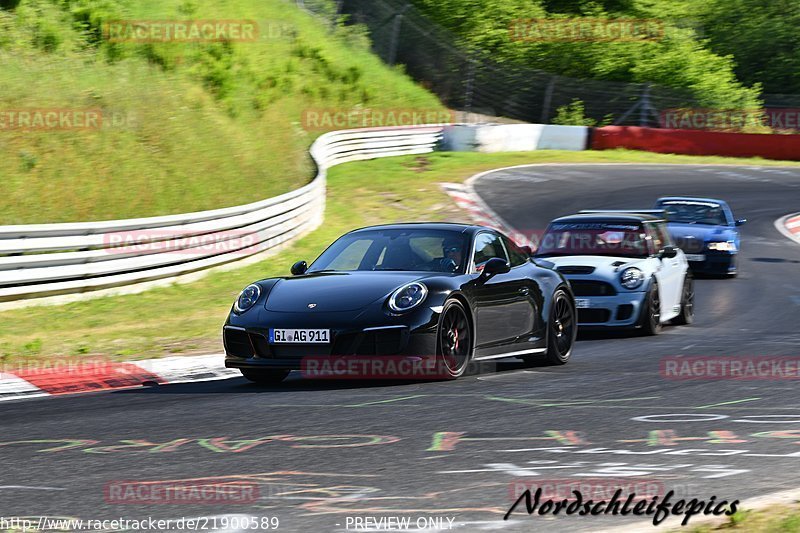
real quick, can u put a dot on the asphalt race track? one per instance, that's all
(321, 453)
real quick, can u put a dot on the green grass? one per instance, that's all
(185, 319)
(197, 125)
(775, 519)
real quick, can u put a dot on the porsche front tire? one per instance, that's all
(562, 329)
(454, 340)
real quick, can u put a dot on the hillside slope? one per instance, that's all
(184, 126)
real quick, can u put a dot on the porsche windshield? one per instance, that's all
(593, 238)
(695, 213)
(396, 249)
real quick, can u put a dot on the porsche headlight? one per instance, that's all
(247, 298)
(407, 297)
(631, 278)
(728, 246)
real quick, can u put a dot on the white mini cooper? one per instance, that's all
(624, 269)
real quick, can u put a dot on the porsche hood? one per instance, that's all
(334, 291)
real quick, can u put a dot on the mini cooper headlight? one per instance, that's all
(631, 278)
(407, 297)
(728, 246)
(247, 298)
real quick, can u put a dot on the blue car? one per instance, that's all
(706, 230)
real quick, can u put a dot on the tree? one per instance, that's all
(680, 58)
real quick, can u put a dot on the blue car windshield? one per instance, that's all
(688, 212)
(396, 250)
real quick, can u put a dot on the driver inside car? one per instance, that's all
(451, 257)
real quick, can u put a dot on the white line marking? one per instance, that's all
(24, 487)
(506, 374)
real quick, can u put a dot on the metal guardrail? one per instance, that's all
(52, 259)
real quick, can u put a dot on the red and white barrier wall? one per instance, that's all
(691, 142)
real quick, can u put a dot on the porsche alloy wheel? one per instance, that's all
(454, 341)
(562, 329)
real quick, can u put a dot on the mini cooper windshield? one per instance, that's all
(594, 238)
(396, 250)
(693, 212)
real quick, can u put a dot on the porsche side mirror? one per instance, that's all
(669, 252)
(495, 266)
(741, 222)
(299, 268)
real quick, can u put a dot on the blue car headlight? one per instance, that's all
(408, 297)
(247, 298)
(724, 246)
(631, 278)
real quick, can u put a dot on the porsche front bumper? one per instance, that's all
(249, 346)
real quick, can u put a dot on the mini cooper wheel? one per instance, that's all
(264, 376)
(650, 316)
(454, 340)
(687, 302)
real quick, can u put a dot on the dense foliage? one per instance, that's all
(722, 51)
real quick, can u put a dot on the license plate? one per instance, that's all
(695, 257)
(582, 303)
(299, 336)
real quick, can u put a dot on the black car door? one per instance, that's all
(503, 312)
(525, 271)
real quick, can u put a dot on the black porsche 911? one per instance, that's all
(451, 292)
